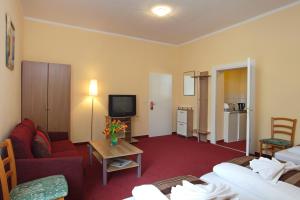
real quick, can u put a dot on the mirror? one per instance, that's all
(189, 83)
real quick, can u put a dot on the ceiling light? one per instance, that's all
(161, 11)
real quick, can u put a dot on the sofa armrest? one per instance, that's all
(56, 136)
(70, 167)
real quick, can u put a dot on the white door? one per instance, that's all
(160, 104)
(250, 144)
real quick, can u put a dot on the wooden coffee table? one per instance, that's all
(105, 152)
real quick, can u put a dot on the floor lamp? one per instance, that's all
(93, 91)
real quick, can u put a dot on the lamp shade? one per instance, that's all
(93, 88)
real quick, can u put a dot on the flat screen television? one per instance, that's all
(122, 105)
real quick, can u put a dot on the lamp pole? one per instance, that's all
(92, 118)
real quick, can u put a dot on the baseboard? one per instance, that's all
(140, 136)
(81, 143)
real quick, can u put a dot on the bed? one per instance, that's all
(253, 188)
(291, 154)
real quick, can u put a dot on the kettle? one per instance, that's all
(241, 106)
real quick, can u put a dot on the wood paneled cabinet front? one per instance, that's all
(46, 95)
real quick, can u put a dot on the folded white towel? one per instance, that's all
(147, 192)
(252, 182)
(189, 191)
(271, 170)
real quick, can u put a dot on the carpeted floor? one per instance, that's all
(164, 157)
(239, 145)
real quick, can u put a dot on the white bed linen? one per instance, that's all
(286, 155)
(251, 181)
(243, 194)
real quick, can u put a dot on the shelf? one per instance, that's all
(131, 165)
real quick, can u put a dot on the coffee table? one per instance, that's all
(105, 152)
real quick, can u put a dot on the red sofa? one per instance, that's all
(65, 159)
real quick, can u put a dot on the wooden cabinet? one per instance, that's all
(185, 122)
(46, 95)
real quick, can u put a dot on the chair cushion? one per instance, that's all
(40, 146)
(48, 188)
(21, 138)
(276, 141)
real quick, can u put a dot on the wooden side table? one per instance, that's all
(104, 152)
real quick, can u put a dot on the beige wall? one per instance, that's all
(120, 65)
(274, 42)
(10, 81)
(235, 85)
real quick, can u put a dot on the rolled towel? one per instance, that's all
(189, 191)
(147, 192)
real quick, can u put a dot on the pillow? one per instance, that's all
(29, 124)
(21, 138)
(295, 150)
(40, 145)
(42, 130)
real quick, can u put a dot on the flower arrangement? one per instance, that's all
(116, 126)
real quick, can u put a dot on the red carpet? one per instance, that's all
(164, 157)
(240, 145)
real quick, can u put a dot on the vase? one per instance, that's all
(113, 140)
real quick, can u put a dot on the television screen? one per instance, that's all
(122, 105)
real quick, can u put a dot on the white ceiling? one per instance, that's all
(190, 19)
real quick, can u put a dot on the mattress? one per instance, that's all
(286, 155)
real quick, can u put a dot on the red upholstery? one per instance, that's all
(65, 160)
(21, 138)
(29, 124)
(70, 167)
(63, 145)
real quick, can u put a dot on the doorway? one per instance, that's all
(232, 106)
(160, 104)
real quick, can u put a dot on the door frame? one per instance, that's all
(149, 101)
(250, 65)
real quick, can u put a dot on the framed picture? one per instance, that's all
(189, 83)
(10, 43)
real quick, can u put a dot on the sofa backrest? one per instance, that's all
(21, 138)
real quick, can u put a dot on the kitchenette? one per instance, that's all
(235, 122)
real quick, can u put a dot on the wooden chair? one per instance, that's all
(283, 126)
(48, 188)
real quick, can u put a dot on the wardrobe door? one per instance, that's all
(34, 92)
(59, 77)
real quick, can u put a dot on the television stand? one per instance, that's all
(126, 120)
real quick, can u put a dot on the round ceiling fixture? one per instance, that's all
(161, 11)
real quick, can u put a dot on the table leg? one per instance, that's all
(104, 171)
(90, 149)
(139, 161)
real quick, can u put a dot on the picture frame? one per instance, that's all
(189, 83)
(9, 43)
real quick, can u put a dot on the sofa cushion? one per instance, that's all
(62, 145)
(21, 138)
(65, 154)
(29, 124)
(45, 132)
(40, 146)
